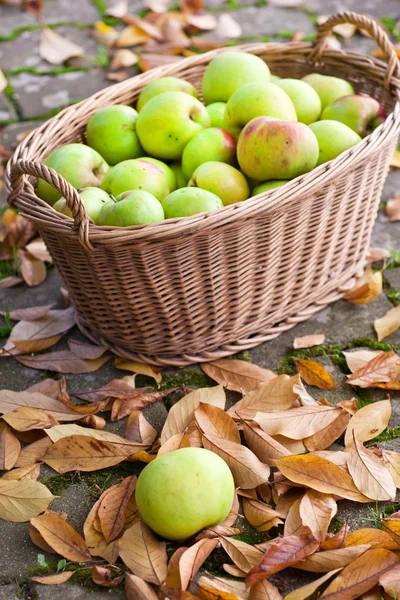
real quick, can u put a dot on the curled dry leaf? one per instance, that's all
(33, 453)
(382, 371)
(26, 418)
(237, 375)
(265, 447)
(95, 541)
(181, 440)
(321, 475)
(260, 516)
(244, 556)
(93, 421)
(55, 49)
(366, 289)
(54, 579)
(298, 422)
(228, 586)
(113, 508)
(393, 205)
(359, 358)
(63, 361)
(388, 324)
(28, 314)
(316, 515)
(103, 576)
(122, 407)
(62, 537)
(390, 581)
(189, 563)
(139, 430)
(322, 562)
(324, 438)
(315, 374)
(227, 27)
(377, 254)
(336, 541)
(10, 448)
(277, 394)
(139, 368)
(10, 401)
(62, 431)
(307, 341)
(305, 591)
(9, 282)
(28, 472)
(85, 351)
(143, 553)
(137, 589)
(376, 538)
(213, 420)
(368, 422)
(38, 249)
(123, 59)
(32, 269)
(22, 500)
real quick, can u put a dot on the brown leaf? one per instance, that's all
(139, 368)
(315, 515)
(9, 282)
(55, 49)
(248, 472)
(366, 288)
(143, 553)
(116, 388)
(260, 516)
(37, 539)
(150, 60)
(123, 59)
(28, 314)
(285, 552)
(314, 373)
(361, 575)
(392, 526)
(382, 371)
(293, 523)
(182, 413)
(237, 375)
(179, 440)
(62, 537)
(368, 422)
(358, 359)
(325, 438)
(392, 463)
(28, 472)
(54, 578)
(276, 394)
(63, 361)
(218, 531)
(137, 589)
(9, 401)
(390, 581)
(94, 421)
(33, 270)
(103, 576)
(336, 541)
(9, 448)
(38, 249)
(298, 422)
(33, 453)
(213, 420)
(392, 208)
(321, 475)
(113, 507)
(305, 591)
(118, 9)
(117, 76)
(244, 556)
(377, 254)
(22, 500)
(307, 341)
(264, 590)
(322, 562)
(387, 324)
(26, 418)
(227, 27)
(62, 431)
(95, 541)
(85, 351)
(83, 453)
(124, 407)
(263, 445)
(376, 538)
(235, 588)
(138, 429)
(189, 563)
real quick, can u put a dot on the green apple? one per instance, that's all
(272, 149)
(216, 113)
(223, 180)
(328, 88)
(229, 71)
(164, 84)
(93, 200)
(180, 179)
(167, 170)
(80, 165)
(255, 100)
(189, 201)
(360, 112)
(275, 78)
(184, 491)
(333, 139)
(305, 99)
(268, 185)
(137, 174)
(134, 207)
(209, 144)
(111, 132)
(168, 122)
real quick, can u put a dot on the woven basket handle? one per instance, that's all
(72, 198)
(368, 24)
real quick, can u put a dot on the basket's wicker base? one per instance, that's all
(225, 350)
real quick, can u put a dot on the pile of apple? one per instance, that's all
(174, 156)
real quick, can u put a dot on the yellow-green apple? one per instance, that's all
(112, 133)
(223, 180)
(189, 201)
(268, 185)
(216, 113)
(168, 171)
(272, 149)
(229, 71)
(209, 144)
(305, 99)
(134, 207)
(360, 112)
(184, 491)
(168, 122)
(255, 100)
(275, 78)
(333, 139)
(181, 181)
(80, 165)
(137, 174)
(328, 88)
(93, 200)
(164, 84)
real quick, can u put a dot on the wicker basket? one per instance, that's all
(203, 287)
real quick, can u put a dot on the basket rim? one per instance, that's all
(281, 198)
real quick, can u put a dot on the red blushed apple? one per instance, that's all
(360, 112)
(212, 144)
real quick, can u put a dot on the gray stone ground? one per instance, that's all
(35, 89)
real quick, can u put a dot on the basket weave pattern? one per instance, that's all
(203, 287)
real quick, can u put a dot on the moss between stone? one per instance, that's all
(19, 30)
(363, 397)
(390, 433)
(188, 377)
(335, 525)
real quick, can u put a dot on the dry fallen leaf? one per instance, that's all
(298, 422)
(387, 324)
(54, 579)
(392, 526)
(3, 81)
(38, 249)
(376, 538)
(237, 375)
(325, 437)
(227, 27)
(392, 208)
(10, 448)
(315, 514)
(212, 420)
(123, 59)
(22, 500)
(62, 537)
(113, 508)
(137, 589)
(382, 371)
(55, 49)
(85, 351)
(28, 472)
(225, 586)
(307, 341)
(33, 453)
(359, 358)
(315, 374)
(377, 254)
(139, 368)
(10, 400)
(118, 9)
(25, 418)
(139, 430)
(390, 581)
(189, 563)
(32, 269)
(265, 447)
(260, 516)
(368, 422)
(63, 361)
(143, 553)
(95, 541)
(104, 577)
(305, 591)
(244, 556)
(366, 288)
(278, 393)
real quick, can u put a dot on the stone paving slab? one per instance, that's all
(7, 111)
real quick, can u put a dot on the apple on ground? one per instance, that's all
(255, 100)
(268, 185)
(171, 179)
(216, 112)
(168, 122)
(360, 112)
(305, 99)
(184, 491)
(333, 139)
(137, 174)
(189, 201)
(181, 181)
(93, 199)
(328, 88)
(272, 149)
(112, 133)
(229, 71)
(134, 207)
(80, 165)
(223, 180)
(164, 84)
(209, 144)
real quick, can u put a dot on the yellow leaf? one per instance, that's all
(9, 448)
(215, 421)
(265, 447)
(388, 324)
(237, 375)
(305, 591)
(26, 418)
(22, 500)
(366, 289)
(376, 538)
(139, 368)
(62, 537)
(224, 586)
(314, 373)
(260, 516)
(143, 456)
(307, 341)
(395, 162)
(392, 526)
(113, 507)
(368, 422)
(143, 553)
(54, 579)
(62, 431)
(105, 34)
(28, 472)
